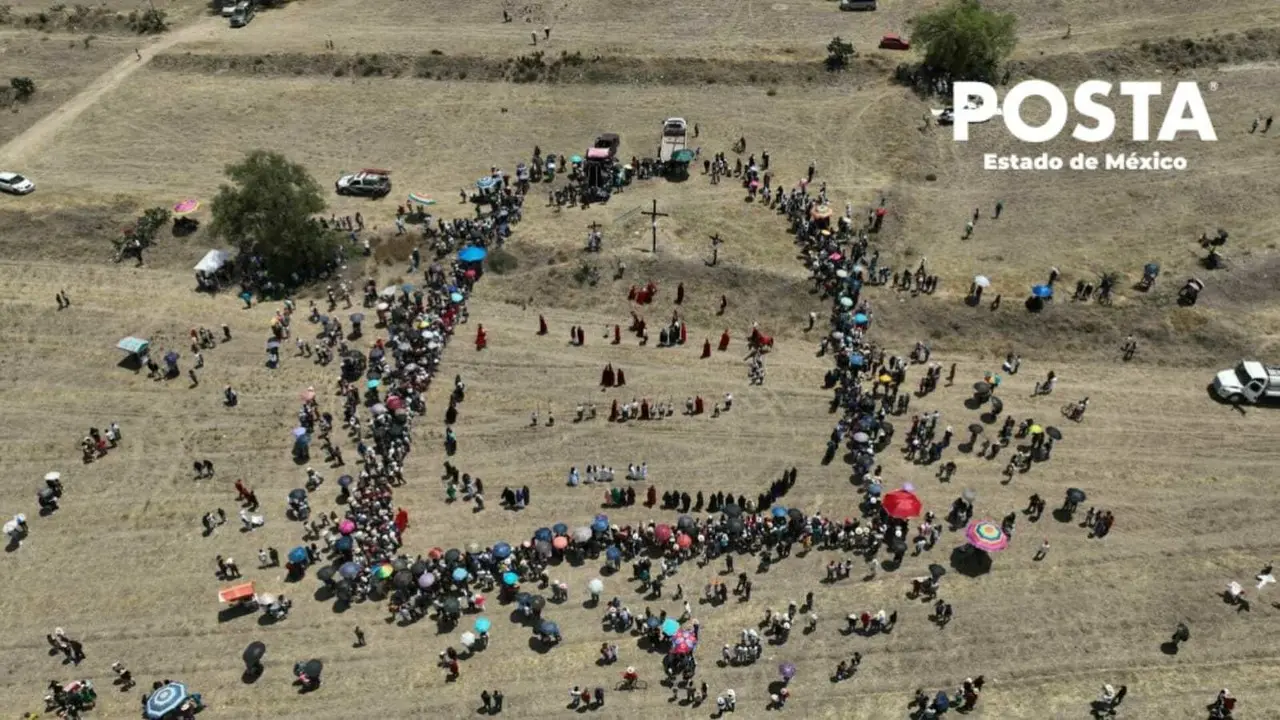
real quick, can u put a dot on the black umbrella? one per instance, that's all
(937, 571)
(796, 514)
(975, 428)
(451, 606)
(311, 668)
(997, 406)
(400, 564)
(402, 579)
(326, 574)
(254, 653)
(685, 523)
(736, 525)
(523, 598)
(453, 556)
(981, 388)
(297, 494)
(418, 568)
(898, 545)
(1076, 495)
(731, 510)
(1053, 432)
(538, 603)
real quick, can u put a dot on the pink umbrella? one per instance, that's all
(835, 257)
(986, 535)
(308, 395)
(346, 527)
(683, 541)
(662, 533)
(560, 542)
(186, 206)
(394, 402)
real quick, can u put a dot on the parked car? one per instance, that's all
(366, 183)
(243, 14)
(15, 184)
(229, 8)
(894, 42)
(855, 5)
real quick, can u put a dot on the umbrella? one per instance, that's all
(426, 580)
(44, 493)
(164, 701)
(686, 523)
(975, 428)
(450, 606)
(549, 628)
(395, 402)
(987, 536)
(254, 653)
(297, 494)
(378, 409)
(510, 579)
(344, 544)
(1053, 432)
(846, 302)
(543, 534)
(1035, 430)
(171, 358)
(595, 586)
(787, 670)
(1076, 495)
(471, 254)
(435, 553)
(467, 639)
(842, 273)
(652, 622)
(524, 599)
(822, 212)
(997, 406)
(937, 571)
(402, 579)
(345, 480)
(502, 551)
(186, 207)
(421, 199)
(384, 571)
(560, 542)
(969, 494)
(600, 525)
(575, 159)
(982, 281)
(1042, 291)
(861, 319)
(312, 668)
(683, 541)
(346, 527)
(460, 575)
(857, 360)
(453, 556)
(408, 288)
(537, 603)
(298, 555)
(299, 433)
(357, 318)
(582, 534)
(349, 570)
(456, 298)
(482, 625)
(731, 510)
(861, 438)
(612, 553)
(779, 512)
(902, 504)
(670, 627)
(683, 642)
(326, 574)
(307, 395)
(662, 533)
(941, 702)
(373, 384)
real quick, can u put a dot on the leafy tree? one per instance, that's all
(151, 21)
(964, 41)
(23, 88)
(267, 213)
(838, 54)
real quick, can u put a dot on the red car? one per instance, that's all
(893, 42)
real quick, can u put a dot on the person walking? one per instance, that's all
(1043, 551)
(360, 642)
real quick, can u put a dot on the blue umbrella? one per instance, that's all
(344, 480)
(510, 579)
(297, 494)
(298, 555)
(166, 700)
(482, 624)
(600, 525)
(471, 254)
(560, 529)
(486, 182)
(857, 360)
(941, 702)
(502, 551)
(460, 575)
(549, 628)
(349, 570)
(372, 384)
(408, 287)
(873, 489)
(1042, 291)
(653, 621)
(612, 553)
(299, 433)
(779, 512)
(543, 534)
(670, 627)
(456, 298)
(344, 544)
(860, 319)
(171, 358)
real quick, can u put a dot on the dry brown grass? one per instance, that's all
(1188, 479)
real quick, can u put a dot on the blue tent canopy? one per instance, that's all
(133, 345)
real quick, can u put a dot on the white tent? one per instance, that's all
(213, 261)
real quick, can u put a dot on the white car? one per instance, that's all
(15, 184)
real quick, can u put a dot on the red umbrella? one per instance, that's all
(902, 504)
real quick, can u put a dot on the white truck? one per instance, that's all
(1248, 382)
(674, 133)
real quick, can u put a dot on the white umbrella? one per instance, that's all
(468, 639)
(10, 527)
(596, 586)
(982, 281)
(53, 476)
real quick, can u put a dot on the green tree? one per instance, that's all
(838, 54)
(964, 41)
(268, 212)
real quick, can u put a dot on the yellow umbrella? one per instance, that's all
(1036, 429)
(886, 379)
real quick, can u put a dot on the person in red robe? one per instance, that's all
(542, 325)
(680, 294)
(697, 405)
(724, 340)
(621, 379)
(617, 334)
(402, 519)
(706, 349)
(644, 409)
(482, 338)
(613, 411)
(582, 337)
(606, 377)
(684, 333)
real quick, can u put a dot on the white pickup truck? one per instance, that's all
(1248, 382)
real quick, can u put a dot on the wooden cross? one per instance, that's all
(715, 248)
(654, 215)
(594, 226)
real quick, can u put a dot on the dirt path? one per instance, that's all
(15, 152)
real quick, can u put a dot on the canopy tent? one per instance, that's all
(213, 261)
(134, 346)
(682, 156)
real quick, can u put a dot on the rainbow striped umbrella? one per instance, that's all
(986, 536)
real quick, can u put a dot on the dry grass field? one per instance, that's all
(123, 566)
